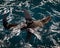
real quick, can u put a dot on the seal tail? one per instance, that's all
(6, 24)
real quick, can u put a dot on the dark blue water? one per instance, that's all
(38, 9)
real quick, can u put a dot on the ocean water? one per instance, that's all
(50, 33)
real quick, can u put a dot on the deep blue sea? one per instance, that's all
(38, 9)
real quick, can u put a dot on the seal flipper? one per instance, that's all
(46, 20)
(27, 15)
(29, 35)
(28, 18)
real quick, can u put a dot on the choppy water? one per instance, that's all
(50, 33)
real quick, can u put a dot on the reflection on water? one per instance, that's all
(50, 33)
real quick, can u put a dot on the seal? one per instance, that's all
(29, 25)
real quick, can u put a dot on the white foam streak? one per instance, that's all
(5, 10)
(56, 12)
(1, 28)
(16, 30)
(27, 4)
(27, 45)
(54, 27)
(9, 18)
(56, 31)
(37, 34)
